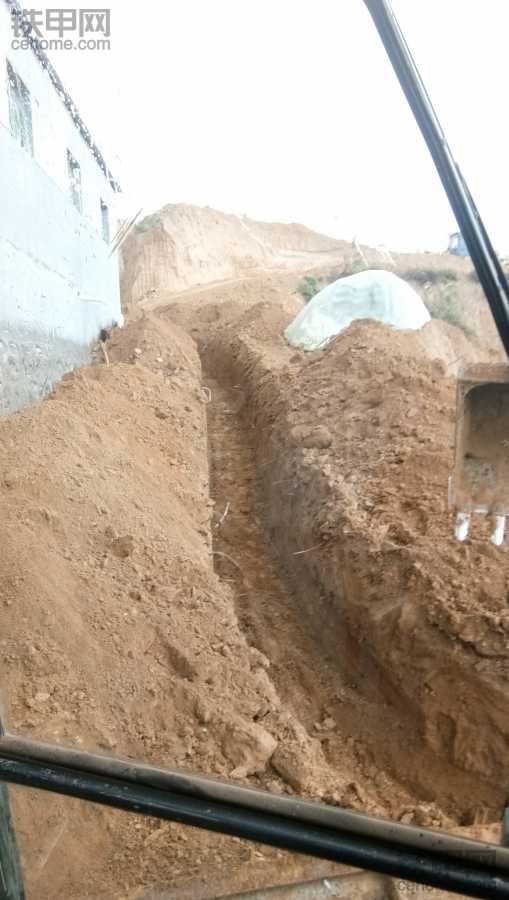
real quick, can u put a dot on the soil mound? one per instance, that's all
(117, 634)
(181, 246)
(355, 451)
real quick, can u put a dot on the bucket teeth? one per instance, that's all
(462, 526)
(480, 481)
(498, 534)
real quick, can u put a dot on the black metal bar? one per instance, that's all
(212, 789)
(484, 258)
(471, 875)
(11, 877)
(11, 874)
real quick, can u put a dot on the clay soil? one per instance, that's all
(225, 555)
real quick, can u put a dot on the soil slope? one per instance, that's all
(182, 246)
(354, 454)
(117, 633)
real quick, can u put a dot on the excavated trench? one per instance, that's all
(265, 608)
(269, 617)
(127, 589)
(370, 742)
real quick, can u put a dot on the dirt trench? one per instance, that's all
(339, 766)
(362, 752)
(133, 575)
(118, 635)
(288, 550)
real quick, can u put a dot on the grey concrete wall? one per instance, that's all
(58, 283)
(30, 364)
(56, 273)
(54, 131)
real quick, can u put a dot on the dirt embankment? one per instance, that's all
(354, 447)
(182, 246)
(117, 633)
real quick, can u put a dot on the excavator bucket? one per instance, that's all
(480, 483)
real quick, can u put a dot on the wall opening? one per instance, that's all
(20, 110)
(105, 221)
(74, 172)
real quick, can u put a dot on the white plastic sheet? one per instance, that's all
(373, 294)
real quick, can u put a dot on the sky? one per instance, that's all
(288, 110)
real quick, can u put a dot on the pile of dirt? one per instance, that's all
(117, 633)
(354, 449)
(181, 246)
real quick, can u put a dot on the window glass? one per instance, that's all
(105, 221)
(74, 170)
(20, 110)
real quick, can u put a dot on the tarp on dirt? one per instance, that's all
(374, 294)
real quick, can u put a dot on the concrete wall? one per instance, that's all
(58, 286)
